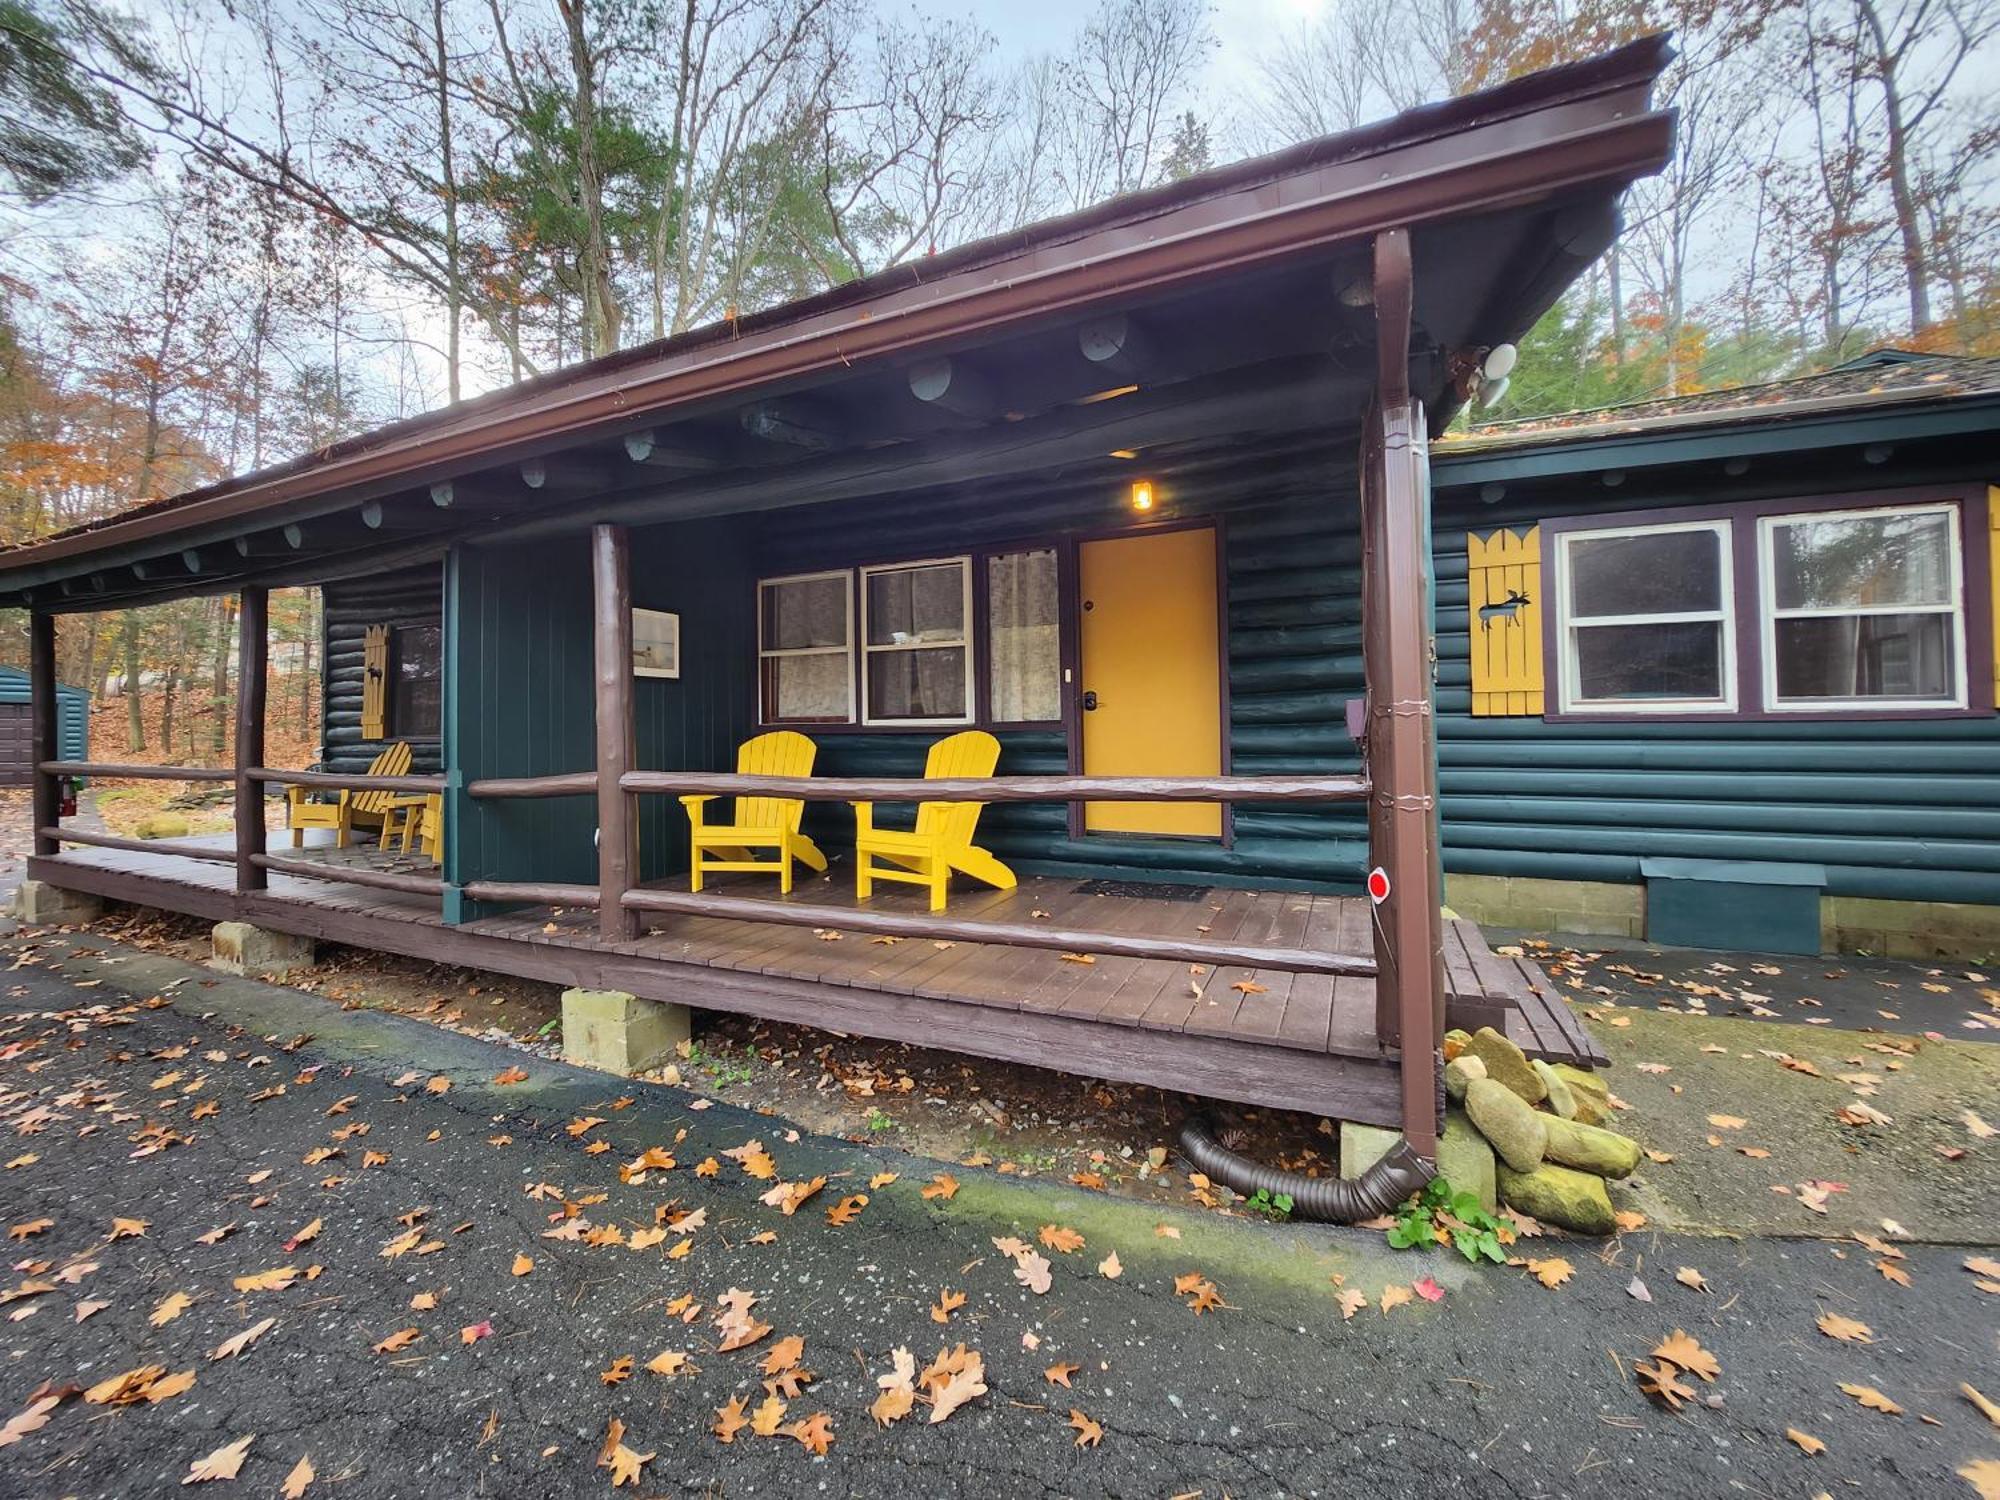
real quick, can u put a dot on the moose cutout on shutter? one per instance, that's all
(1504, 591)
(375, 683)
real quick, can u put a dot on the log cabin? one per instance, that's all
(1142, 492)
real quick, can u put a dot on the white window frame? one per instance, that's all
(764, 653)
(868, 650)
(1567, 624)
(1769, 613)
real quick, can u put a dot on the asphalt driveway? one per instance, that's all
(166, 1134)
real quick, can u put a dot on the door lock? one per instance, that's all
(1089, 702)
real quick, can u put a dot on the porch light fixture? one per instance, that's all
(1142, 494)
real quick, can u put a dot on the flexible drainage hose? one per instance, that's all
(1330, 1200)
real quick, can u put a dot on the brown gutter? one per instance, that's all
(1607, 136)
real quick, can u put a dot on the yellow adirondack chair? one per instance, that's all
(419, 821)
(760, 822)
(348, 810)
(941, 842)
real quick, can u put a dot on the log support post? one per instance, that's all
(45, 712)
(617, 828)
(252, 657)
(1398, 658)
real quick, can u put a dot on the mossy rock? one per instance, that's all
(163, 825)
(1568, 1199)
(1455, 1042)
(1582, 1081)
(1507, 1064)
(1465, 1160)
(1519, 1134)
(1589, 1149)
(1561, 1101)
(1458, 1076)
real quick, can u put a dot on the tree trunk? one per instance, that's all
(135, 715)
(311, 637)
(601, 314)
(218, 722)
(167, 708)
(1617, 306)
(1896, 146)
(454, 296)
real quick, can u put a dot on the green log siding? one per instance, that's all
(412, 596)
(1896, 809)
(1292, 560)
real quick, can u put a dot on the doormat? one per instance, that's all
(1142, 890)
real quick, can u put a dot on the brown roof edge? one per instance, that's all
(1567, 126)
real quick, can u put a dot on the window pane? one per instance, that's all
(1658, 573)
(415, 696)
(1867, 656)
(917, 604)
(1863, 562)
(805, 612)
(1634, 663)
(807, 687)
(928, 684)
(1025, 640)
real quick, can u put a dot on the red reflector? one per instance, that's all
(1378, 885)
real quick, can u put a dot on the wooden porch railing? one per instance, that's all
(635, 899)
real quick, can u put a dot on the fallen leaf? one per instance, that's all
(1393, 1297)
(847, 1210)
(1109, 1268)
(234, 1345)
(1688, 1354)
(619, 1369)
(1727, 1122)
(881, 1180)
(401, 1339)
(1661, 1383)
(948, 1302)
(1063, 1241)
(171, 1306)
(32, 1418)
(1427, 1289)
(523, 1264)
(1688, 1276)
(1806, 1441)
(223, 1463)
(1983, 1474)
(1088, 1433)
(1847, 1330)
(1059, 1374)
(944, 1186)
(1986, 1408)
(1871, 1398)
(953, 1378)
(1552, 1272)
(274, 1280)
(1352, 1301)
(1032, 1271)
(301, 1476)
(814, 1433)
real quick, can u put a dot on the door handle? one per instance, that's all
(1089, 702)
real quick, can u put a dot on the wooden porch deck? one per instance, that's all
(1296, 1041)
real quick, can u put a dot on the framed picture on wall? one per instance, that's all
(656, 643)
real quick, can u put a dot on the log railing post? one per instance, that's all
(44, 715)
(617, 829)
(1397, 652)
(252, 656)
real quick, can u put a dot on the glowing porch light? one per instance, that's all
(1142, 494)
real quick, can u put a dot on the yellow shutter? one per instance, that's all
(1993, 575)
(375, 683)
(1504, 574)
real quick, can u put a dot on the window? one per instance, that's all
(1647, 619)
(1863, 607)
(805, 649)
(916, 665)
(1023, 637)
(416, 653)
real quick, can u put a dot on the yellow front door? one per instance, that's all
(1151, 665)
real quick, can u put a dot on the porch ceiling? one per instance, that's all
(1229, 309)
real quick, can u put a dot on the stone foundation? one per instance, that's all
(1581, 906)
(259, 953)
(620, 1033)
(40, 904)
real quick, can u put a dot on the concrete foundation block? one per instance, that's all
(620, 1033)
(1361, 1146)
(40, 904)
(241, 948)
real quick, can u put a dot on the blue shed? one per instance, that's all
(17, 740)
